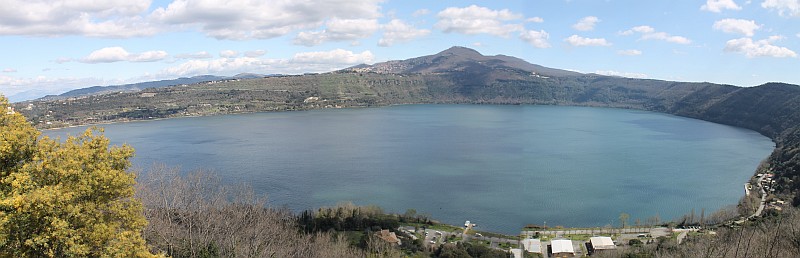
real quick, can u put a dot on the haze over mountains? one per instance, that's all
(139, 86)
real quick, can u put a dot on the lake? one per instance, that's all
(501, 167)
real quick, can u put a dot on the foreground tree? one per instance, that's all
(65, 199)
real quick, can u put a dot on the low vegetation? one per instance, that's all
(195, 215)
(776, 235)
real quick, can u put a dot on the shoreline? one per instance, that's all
(390, 105)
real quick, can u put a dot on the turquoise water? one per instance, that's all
(501, 167)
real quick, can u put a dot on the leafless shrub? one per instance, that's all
(726, 213)
(197, 216)
(775, 236)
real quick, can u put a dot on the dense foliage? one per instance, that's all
(65, 199)
(466, 250)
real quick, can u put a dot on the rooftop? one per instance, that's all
(532, 245)
(390, 237)
(562, 246)
(602, 243)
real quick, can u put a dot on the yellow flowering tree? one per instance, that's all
(65, 199)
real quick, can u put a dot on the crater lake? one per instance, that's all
(501, 167)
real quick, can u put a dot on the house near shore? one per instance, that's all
(532, 245)
(389, 237)
(600, 244)
(561, 248)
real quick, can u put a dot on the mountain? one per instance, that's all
(143, 85)
(459, 59)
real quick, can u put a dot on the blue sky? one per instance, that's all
(49, 47)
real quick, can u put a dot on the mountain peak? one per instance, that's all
(460, 51)
(456, 59)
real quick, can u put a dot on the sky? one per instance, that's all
(50, 47)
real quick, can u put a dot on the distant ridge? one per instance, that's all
(151, 84)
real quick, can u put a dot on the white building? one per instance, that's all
(601, 243)
(562, 248)
(532, 245)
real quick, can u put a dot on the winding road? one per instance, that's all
(763, 202)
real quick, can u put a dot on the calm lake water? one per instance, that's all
(501, 167)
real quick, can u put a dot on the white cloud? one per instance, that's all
(111, 18)
(718, 5)
(760, 48)
(397, 31)
(477, 44)
(107, 55)
(537, 39)
(775, 38)
(221, 19)
(20, 89)
(119, 54)
(324, 61)
(62, 60)
(629, 52)
(336, 56)
(196, 55)
(478, 20)
(535, 19)
(148, 56)
(228, 54)
(639, 29)
(622, 74)
(784, 7)
(255, 53)
(215, 66)
(648, 32)
(579, 41)
(744, 27)
(338, 30)
(666, 37)
(421, 12)
(9, 70)
(247, 19)
(309, 38)
(586, 23)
